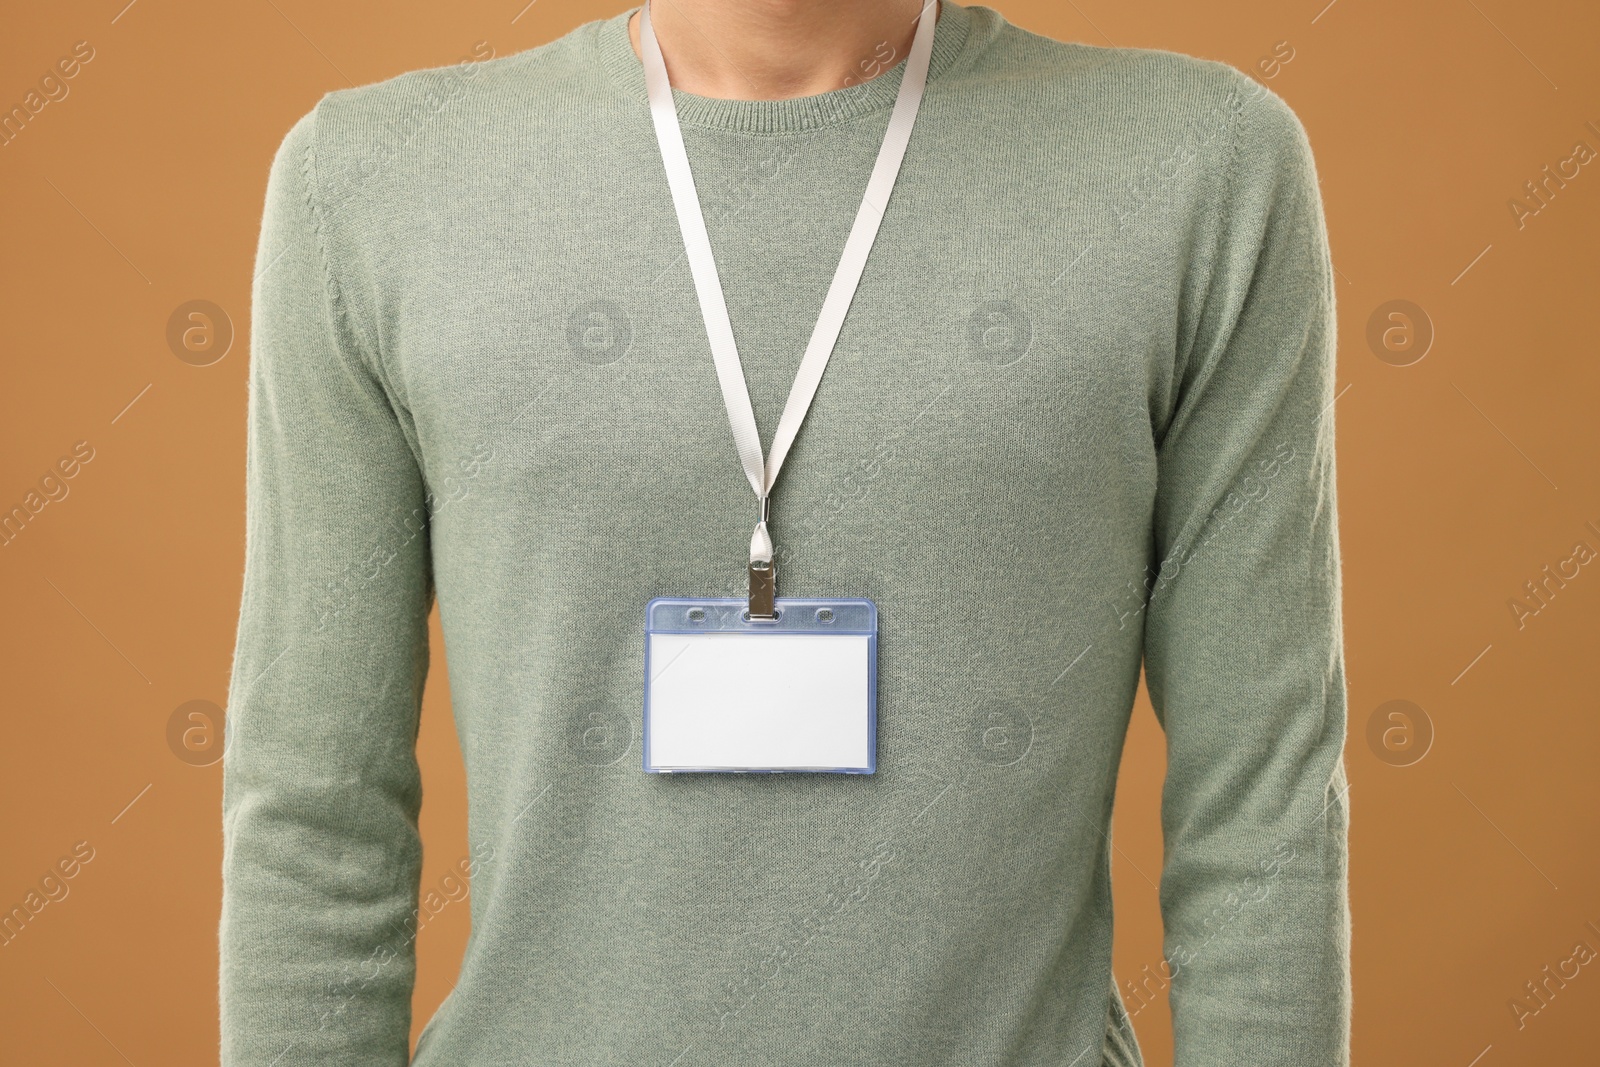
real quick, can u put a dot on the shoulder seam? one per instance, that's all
(1301, 143)
(310, 173)
(1234, 141)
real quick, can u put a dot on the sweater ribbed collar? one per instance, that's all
(616, 55)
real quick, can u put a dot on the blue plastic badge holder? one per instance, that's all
(727, 693)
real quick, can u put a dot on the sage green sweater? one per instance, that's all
(1080, 418)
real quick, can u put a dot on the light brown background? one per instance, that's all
(1461, 477)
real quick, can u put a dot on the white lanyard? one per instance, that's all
(708, 287)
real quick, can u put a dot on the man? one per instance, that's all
(1078, 417)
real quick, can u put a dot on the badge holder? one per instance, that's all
(728, 692)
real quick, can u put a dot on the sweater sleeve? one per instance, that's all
(321, 790)
(1244, 656)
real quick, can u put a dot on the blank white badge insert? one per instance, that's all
(727, 693)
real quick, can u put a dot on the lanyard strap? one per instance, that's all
(708, 287)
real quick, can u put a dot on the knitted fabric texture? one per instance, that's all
(1079, 421)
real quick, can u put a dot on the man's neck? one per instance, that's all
(777, 49)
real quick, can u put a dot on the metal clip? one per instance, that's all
(763, 590)
(763, 571)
